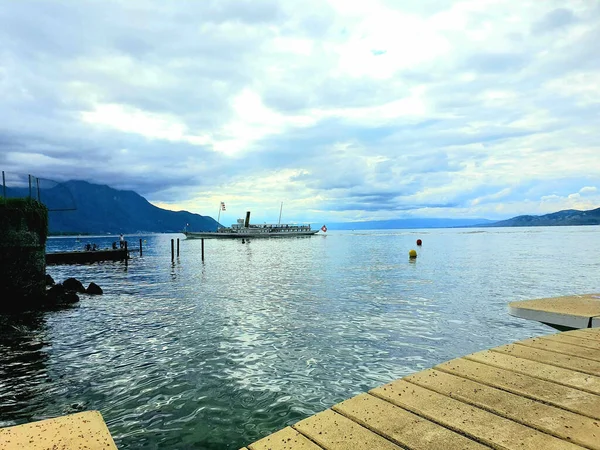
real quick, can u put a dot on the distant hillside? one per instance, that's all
(560, 218)
(102, 209)
(406, 224)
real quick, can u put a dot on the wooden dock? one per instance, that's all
(87, 257)
(540, 393)
(563, 313)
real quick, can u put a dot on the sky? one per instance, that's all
(343, 110)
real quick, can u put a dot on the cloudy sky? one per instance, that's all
(342, 109)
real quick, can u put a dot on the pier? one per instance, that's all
(92, 256)
(86, 257)
(540, 393)
(563, 313)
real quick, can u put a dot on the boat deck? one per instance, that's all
(574, 311)
(540, 393)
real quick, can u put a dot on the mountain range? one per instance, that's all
(560, 218)
(80, 207)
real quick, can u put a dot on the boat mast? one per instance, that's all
(219, 216)
(280, 209)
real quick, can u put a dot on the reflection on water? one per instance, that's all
(216, 354)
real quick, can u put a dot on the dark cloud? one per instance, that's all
(160, 97)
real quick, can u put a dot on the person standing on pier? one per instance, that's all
(122, 241)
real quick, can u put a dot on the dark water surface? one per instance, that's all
(218, 354)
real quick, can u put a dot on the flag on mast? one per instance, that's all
(222, 206)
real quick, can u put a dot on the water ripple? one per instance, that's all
(215, 355)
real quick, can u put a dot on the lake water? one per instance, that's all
(217, 354)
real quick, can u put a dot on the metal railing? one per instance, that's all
(55, 195)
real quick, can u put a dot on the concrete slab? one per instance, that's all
(403, 427)
(85, 430)
(566, 377)
(285, 439)
(587, 342)
(552, 358)
(516, 396)
(332, 431)
(574, 311)
(588, 333)
(561, 347)
(549, 419)
(527, 386)
(474, 422)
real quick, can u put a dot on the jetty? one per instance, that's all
(86, 257)
(539, 393)
(92, 256)
(563, 313)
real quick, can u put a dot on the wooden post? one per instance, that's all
(178, 247)
(37, 182)
(29, 176)
(172, 250)
(126, 253)
(202, 248)
(140, 246)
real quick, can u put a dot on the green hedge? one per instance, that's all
(24, 214)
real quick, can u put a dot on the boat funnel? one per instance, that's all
(247, 223)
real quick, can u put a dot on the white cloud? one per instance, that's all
(588, 190)
(343, 109)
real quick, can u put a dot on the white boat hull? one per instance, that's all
(248, 235)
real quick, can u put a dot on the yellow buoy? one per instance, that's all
(412, 254)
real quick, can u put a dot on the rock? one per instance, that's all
(70, 297)
(74, 285)
(94, 289)
(57, 295)
(56, 291)
(49, 280)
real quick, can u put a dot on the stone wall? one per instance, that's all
(23, 233)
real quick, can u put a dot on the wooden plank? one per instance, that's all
(572, 340)
(285, 439)
(493, 430)
(548, 419)
(555, 359)
(566, 377)
(559, 347)
(403, 427)
(85, 430)
(571, 399)
(332, 431)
